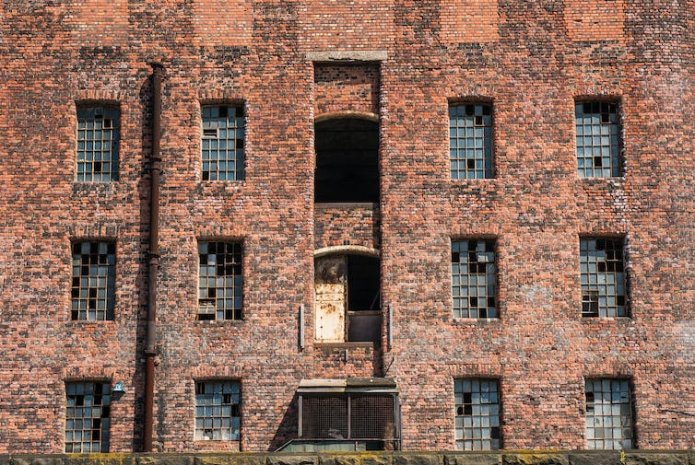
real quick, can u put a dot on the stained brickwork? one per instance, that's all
(346, 225)
(345, 89)
(531, 59)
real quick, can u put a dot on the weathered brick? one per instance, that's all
(410, 58)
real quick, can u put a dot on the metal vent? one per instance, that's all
(348, 416)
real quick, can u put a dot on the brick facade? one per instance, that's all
(531, 59)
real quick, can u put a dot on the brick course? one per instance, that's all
(530, 58)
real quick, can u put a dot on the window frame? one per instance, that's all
(116, 160)
(203, 380)
(500, 410)
(626, 277)
(95, 381)
(602, 99)
(234, 103)
(109, 241)
(632, 404)
(241, 242)
(474, 101)
(496, 277)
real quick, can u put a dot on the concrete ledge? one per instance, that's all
(347, 56)
(654, 457)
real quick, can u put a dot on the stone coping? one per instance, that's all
(511, 457)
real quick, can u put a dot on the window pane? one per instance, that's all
(93, 280)
(223, 143)
(602, 269)
(220, 281)
(97, 143)
(87, 429)
(473, 272)
(470, 141)
(608, 414)
(218, 410)
(477, 420)
(598, 144)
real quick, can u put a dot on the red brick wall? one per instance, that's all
(346, 224)
(346, 88)
(346, 24)
(532, 68)
(595, 20)
(469, 21)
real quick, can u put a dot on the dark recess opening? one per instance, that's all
(363, 283)
(347, 161)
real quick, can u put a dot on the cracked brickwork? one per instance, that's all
(531, 59)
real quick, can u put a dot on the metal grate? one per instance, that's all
(474, 278)
(220, 281)
(325, 417)
(217, 410)
(477, 414)
(603, 277)
(87, 417)
(97, 144)
(93, 280)
(351, 416)
(470, 141)
(223, 143)
(608, 414)
(371, 417)
(598, 139)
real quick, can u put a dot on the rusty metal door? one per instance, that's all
(330, 281)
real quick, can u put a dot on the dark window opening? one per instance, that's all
(363, 283)
(347, 161)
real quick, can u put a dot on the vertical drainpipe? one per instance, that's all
(151, 342)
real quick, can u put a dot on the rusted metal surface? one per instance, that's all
(330, 283)
(151, 343)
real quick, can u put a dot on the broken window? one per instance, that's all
(474, 278)
(477, 414)
(220, 281)
(347, 161)
(608, 414)
(348, 304)
(603, 278)
(598, 139)
(470, 141)
(87, 417)
(222, 144)
(97, 143)
(217, 410)
(93, 280)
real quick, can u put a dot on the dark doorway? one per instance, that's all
(347, 161)
(363, 283)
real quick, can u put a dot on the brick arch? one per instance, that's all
(347, 250)
(348, 114)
